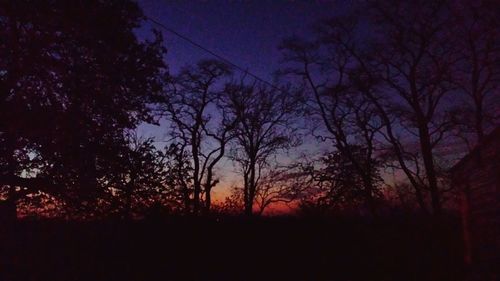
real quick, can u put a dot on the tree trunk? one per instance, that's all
(479, 121)
(251, 188)
(209, 184)
(208, 202)
(248, 198)
(248, 209)
(430, 170)
(246, 188)
(196, 172)
(208, 190)
(196, 199)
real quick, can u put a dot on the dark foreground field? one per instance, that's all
(404, 248)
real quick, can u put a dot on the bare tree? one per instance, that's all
(475, 34)
(401, 71)
(414, 60)
(199, 123)
(386, 84)
(332, 183)
(328, 68)
(283, 185)
(265, 117)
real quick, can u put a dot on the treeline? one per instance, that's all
(395, 91)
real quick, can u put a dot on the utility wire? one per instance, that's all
(185, 38)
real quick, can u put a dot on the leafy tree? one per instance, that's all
(73, 79)
(139, 178)
(179, 178)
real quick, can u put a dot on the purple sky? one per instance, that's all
(245, 32)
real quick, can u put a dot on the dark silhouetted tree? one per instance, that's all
(139, 178)
(200, 123)
(341, 113)
(414, 59)
(387, 87)
(283, 185)
(334, 183)
(73, 79)
(179, 178)
(475, 33)
(265, 125)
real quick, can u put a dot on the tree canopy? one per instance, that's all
(73, 79)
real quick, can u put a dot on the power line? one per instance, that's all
(187, 39)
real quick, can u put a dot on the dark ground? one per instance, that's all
(337, 249)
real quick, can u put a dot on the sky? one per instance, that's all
(247, 33)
